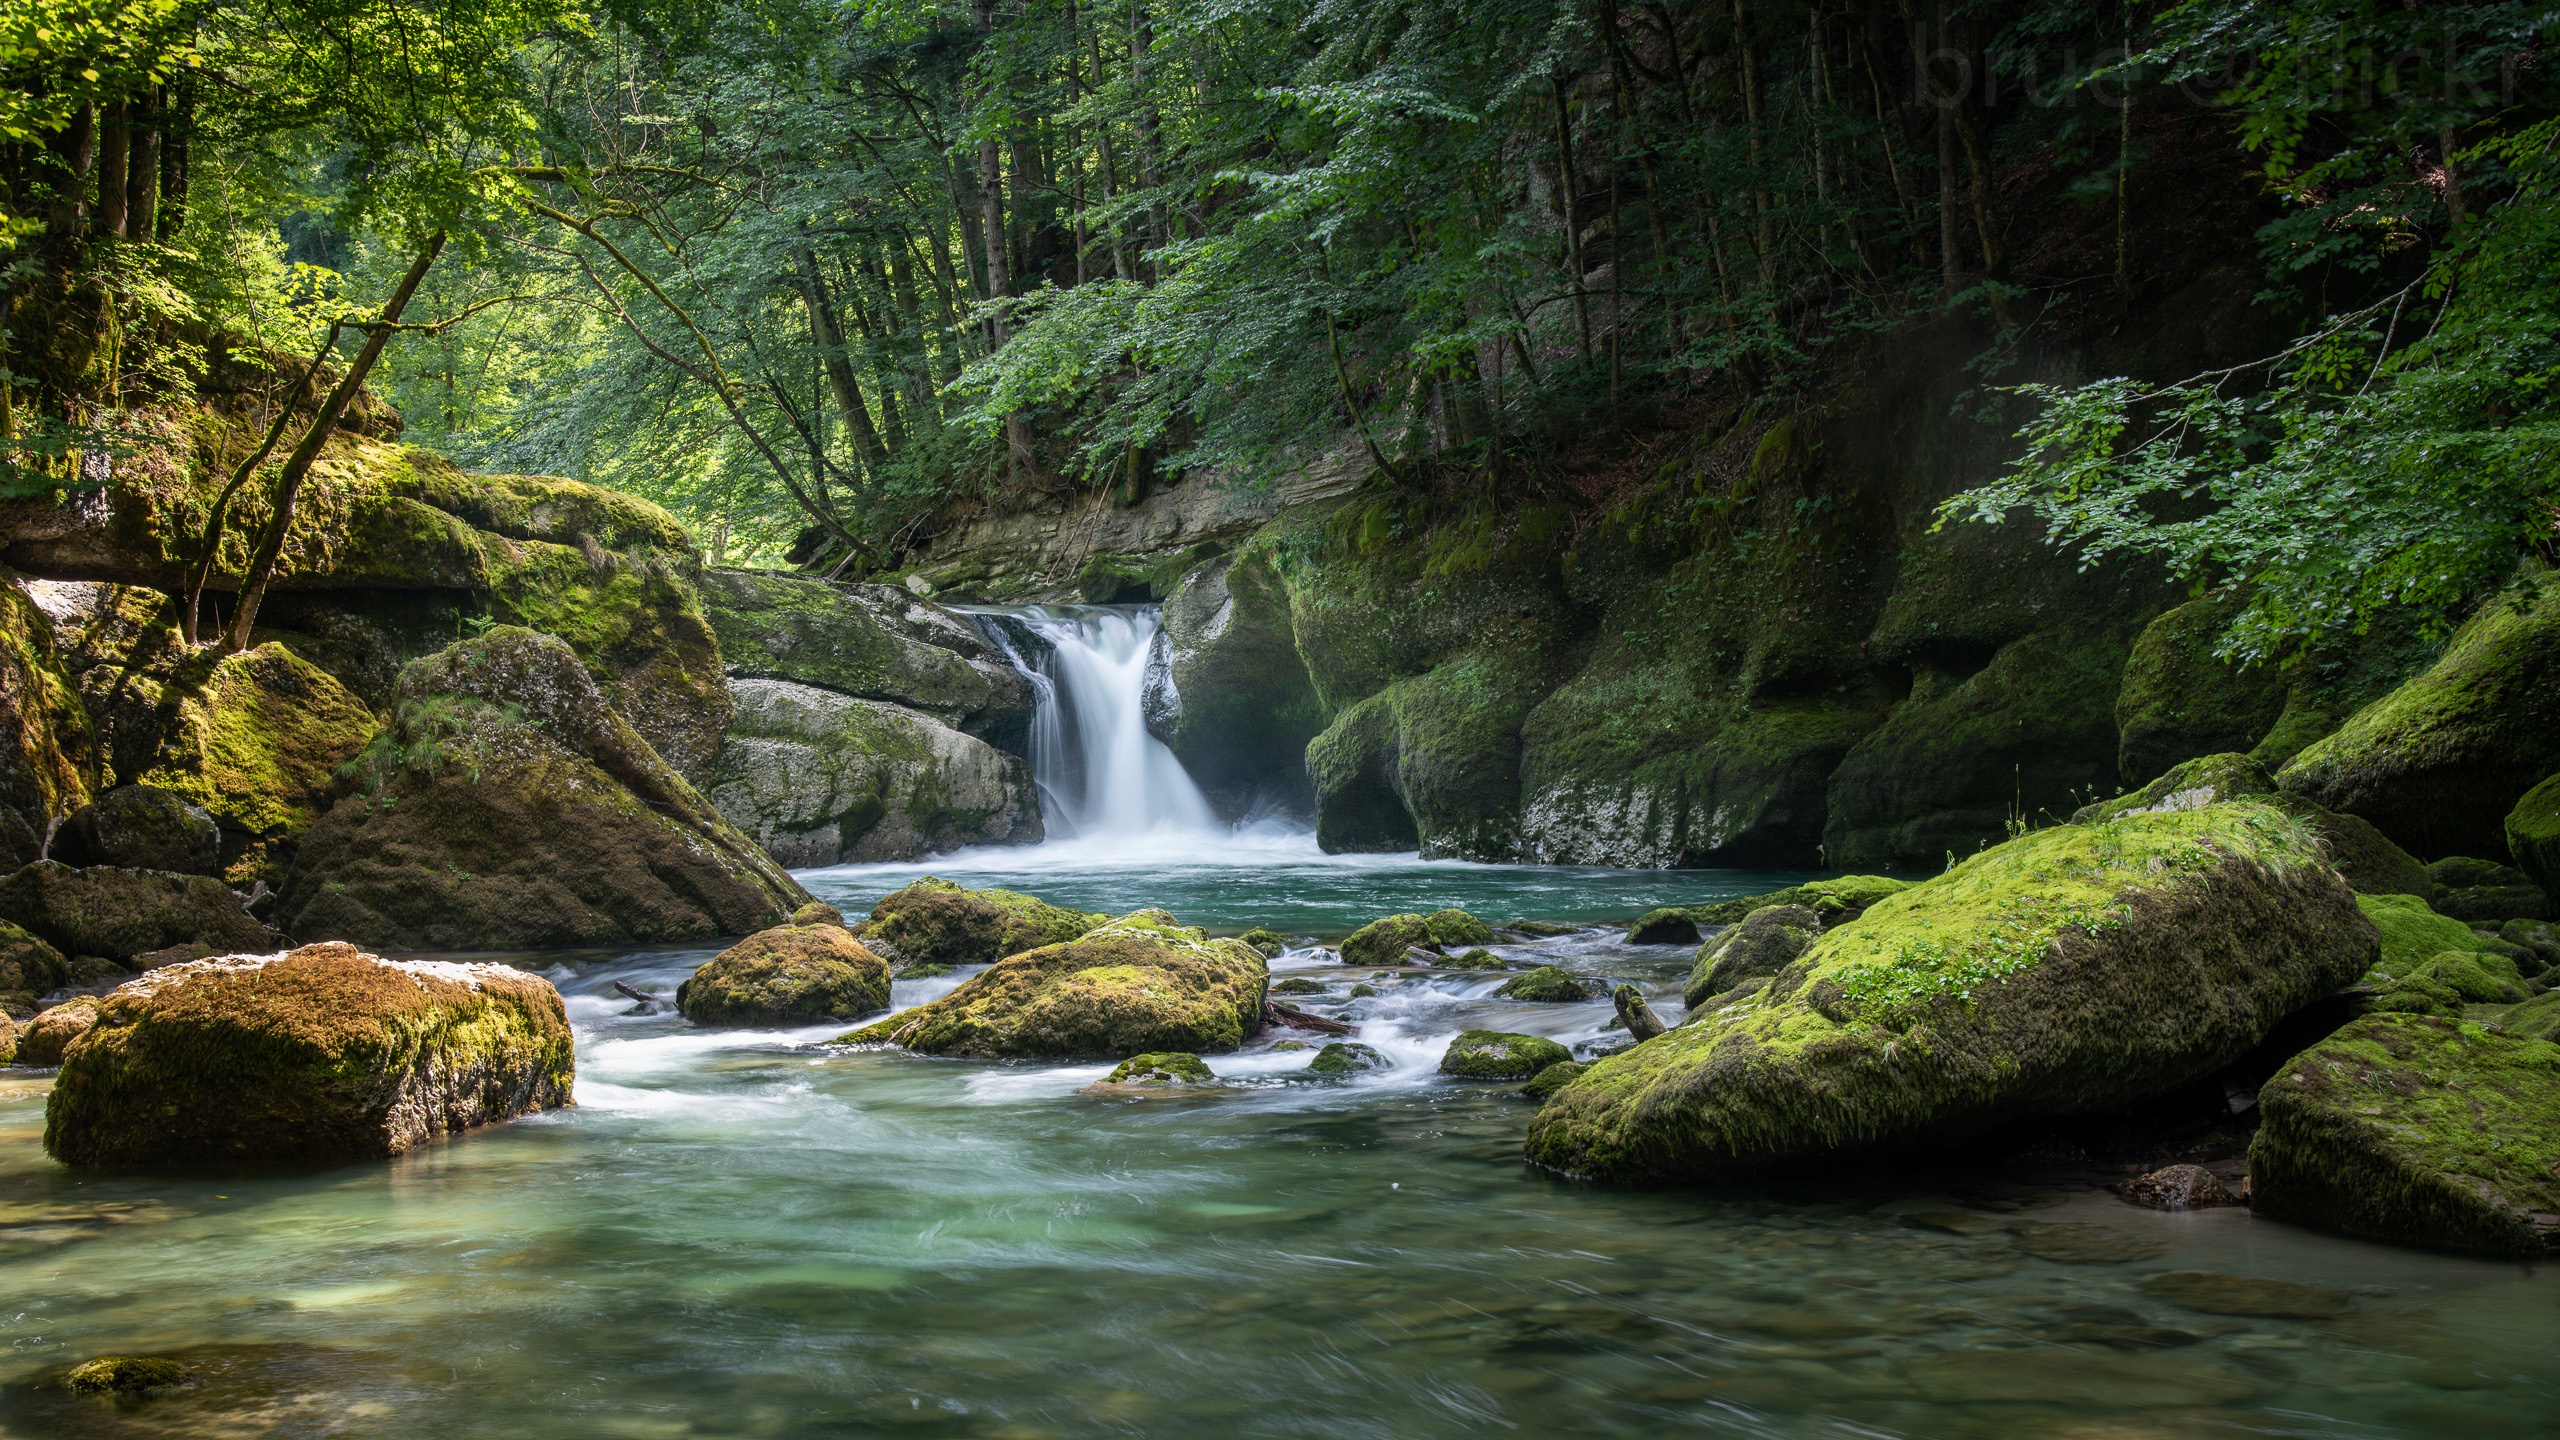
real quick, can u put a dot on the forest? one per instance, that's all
(819, 276)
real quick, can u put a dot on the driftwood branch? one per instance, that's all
(1291, 1017)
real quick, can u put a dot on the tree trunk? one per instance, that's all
(828, 333)
(75, 153)
(115, 151)
(142, 174)
(262, 565)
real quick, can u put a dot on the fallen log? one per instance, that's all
(1291, 1017)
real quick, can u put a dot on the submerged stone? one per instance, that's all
(2072, 970)
(789, 975)
(323, 1054)
(2209, 1293)
(935, 922)
(1765, 942)
(1500, 1055)
(1139, 984)
(1547, 984)
(1169, 1067)
(2425, 1130)
(1346, 1057)
(124, 1375)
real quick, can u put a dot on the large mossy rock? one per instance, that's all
(2180, 700)
(1760, 945)
(874, 642)
(1244, 708)
(2533, 835)
(2411, 932)
(1141, 983)
(509, 806)
(936, 922)
(2439, 762)
(28, 964)
(2424, 1130)
(142, 827)
(790, 975)
(44, 1039)
(117, 914)
(2372, 864)
(259, 742)
(2072, 970)
(323, 1054)
(1387, 941)
(1500, 1055)
(819, 778)
(48, 753)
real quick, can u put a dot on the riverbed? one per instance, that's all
(753, 1234)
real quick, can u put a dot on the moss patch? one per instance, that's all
(1552, 1079)
(1346, 1057)
(2533, 834)
(1547, 985)
(323, 1054)
(48, 755)
(2417, 1129)
(2412, 932)
(2070, 970)
(1385, 942)
(1164, 1067)
(1138, 984)
(261, 744)
(1766, 942)
(1500, 1055)
(935, 922)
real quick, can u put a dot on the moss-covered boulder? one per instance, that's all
(1548, 985)
(2423, 1130)
(1267, 941)
(1386, 942)
(818, 912)
(1500, 1055)
(935, 922)
(2072, 970)
(1298, 985)
(790, 975)
(1552, 1079)
(507, 805)
(2484, 890)
(1835, 901)
(28, 965)
(322, 1054)
(1766, 941)
(142, 827)
(1175, 1067)
(2412, 933)
(874, 642)
(2363, 854)
(2439, 762)
(2180, 700)
(1347, 1057)
(42, 1040)
(116, 913)
(48, 753)
(1138, 984)
(130, 1375)
(1477, 958)
(819, 778)
(260, 741)
(2533, 835)
(2442, 984)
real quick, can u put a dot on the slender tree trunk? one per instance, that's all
(177, 123)
(262, 565)
(828, 333)
(2124, 174)
(1568, 187)
(1764, 241)
(115, 151)
(142, 174)
(75, 153)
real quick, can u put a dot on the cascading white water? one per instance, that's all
(1100, 773)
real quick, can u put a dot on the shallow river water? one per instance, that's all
(749, 1234)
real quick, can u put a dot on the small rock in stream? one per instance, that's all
(2177, 1187)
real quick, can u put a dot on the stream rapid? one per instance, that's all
(742, 1233)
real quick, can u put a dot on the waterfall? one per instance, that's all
(1100, 773)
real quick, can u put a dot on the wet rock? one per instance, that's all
(1500, 1055)
(1765, 942)
(1547, 985)
(1247, 708)
(2425, 1130)
(322, 1054)
(2483, 890)
(2178, 1187)
(1139, 984)
(1268, 941)
(1298, 985)
(1386, 942)
(27, 963)
(1347, 1057)
(867, 641)
(935, 922)
(2211, 1293)
(818, 778)
(2070, 971)
(790, 975)
(1540, 929)
(508, 805)
(2438, 763)
(118, 913)
(1636, 1015)
(1833, 902)
(124, 1375)
(2077, 1380)
(1476, 959)
(1172, 1067)
(260, 742)
(1362, 992)
(1669, 926)
(1552, 1079)
(142, 827)
(818, 912)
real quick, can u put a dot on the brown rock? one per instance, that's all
(2177, 1187)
